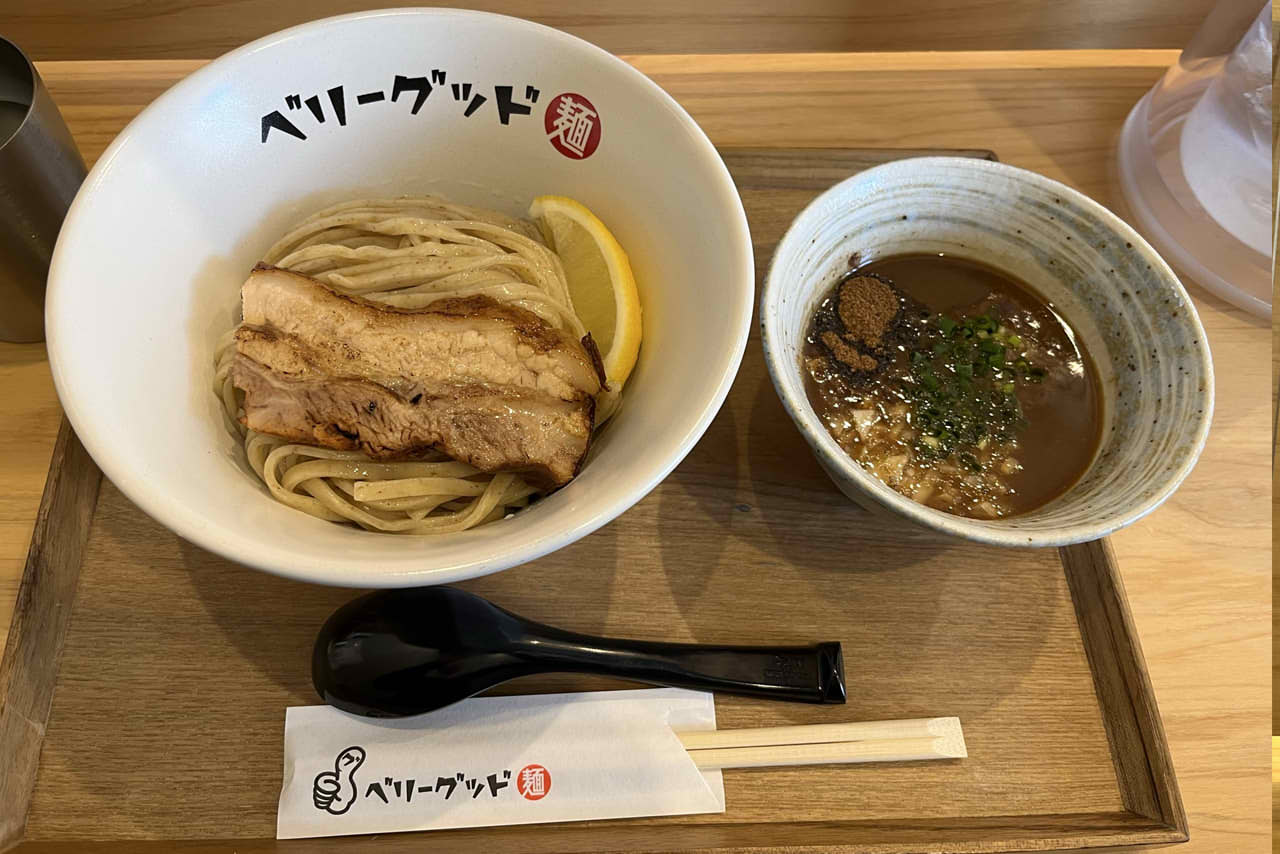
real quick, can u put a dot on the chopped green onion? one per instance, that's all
(962, 386)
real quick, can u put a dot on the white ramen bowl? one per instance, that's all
(1123, 302)
(149, 264)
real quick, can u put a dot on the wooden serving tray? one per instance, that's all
(156, 675)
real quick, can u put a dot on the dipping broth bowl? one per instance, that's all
(1122, 300)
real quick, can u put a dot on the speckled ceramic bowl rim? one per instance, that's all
(832, 456)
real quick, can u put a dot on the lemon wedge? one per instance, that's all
(601, 284)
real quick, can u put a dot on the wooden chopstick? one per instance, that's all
(870, 741)
(818, 733)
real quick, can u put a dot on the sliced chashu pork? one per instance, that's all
(491, 384)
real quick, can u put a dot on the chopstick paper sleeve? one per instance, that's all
(495, 761)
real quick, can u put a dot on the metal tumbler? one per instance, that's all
(40, 171)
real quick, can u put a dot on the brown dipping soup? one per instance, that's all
(954, 384)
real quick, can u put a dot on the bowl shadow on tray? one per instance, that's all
(776, 541)
(272, 622)
(753, 476)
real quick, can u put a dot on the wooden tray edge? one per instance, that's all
(41, 615)
(837, 170)
(1139, 748)
(1101, 832)
(1140, 751)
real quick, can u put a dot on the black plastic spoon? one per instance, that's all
(405, 652)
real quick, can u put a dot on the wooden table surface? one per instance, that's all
(1197, 570)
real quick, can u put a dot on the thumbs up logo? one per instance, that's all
(335, 791)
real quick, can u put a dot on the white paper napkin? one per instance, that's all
(496, 760)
